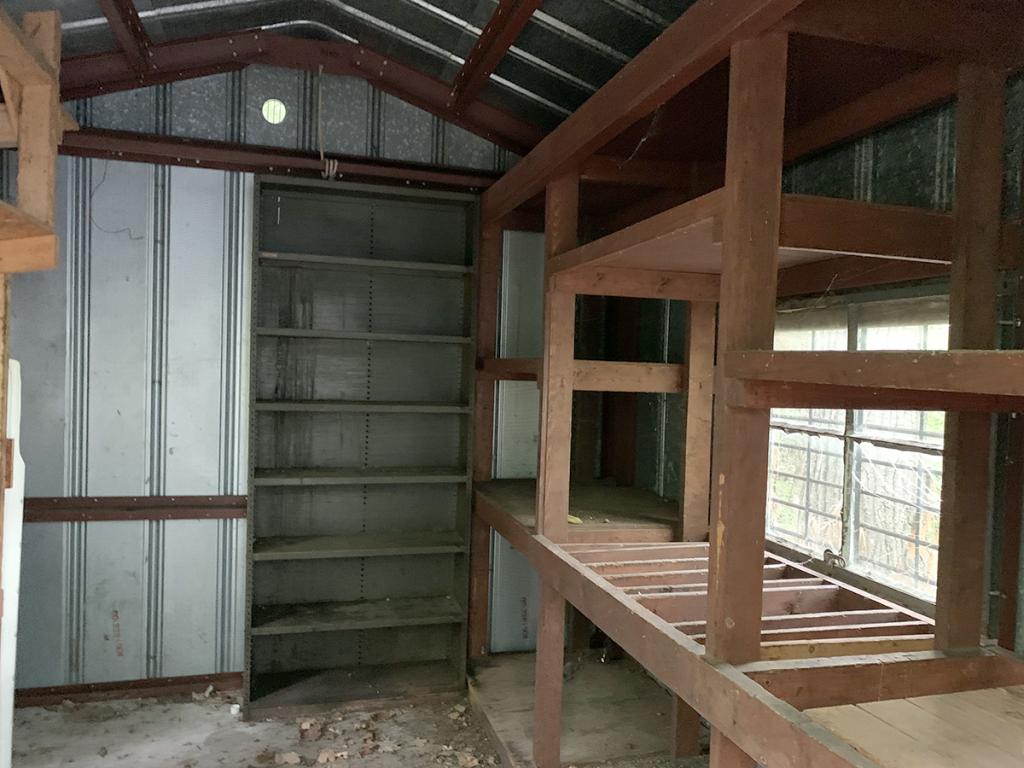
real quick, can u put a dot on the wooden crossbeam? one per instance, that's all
(647, 591)
(943, 29)
(799, 621)
(688, 607)
(843, 646)
(640, 283)
(606, 376)
(632, 552)
(927, 87)
(811, 683)
(650, 566)
(507, 22)
(960, 379)
(674, 578)
(510, 368)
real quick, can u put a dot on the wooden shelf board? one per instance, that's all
(356, 545)
(26, 244)
(315, 333)
(358, 406)
(356, 476)
(688, 238)
(368, 614)
(353, 684)
(316, 261)
(959, 380)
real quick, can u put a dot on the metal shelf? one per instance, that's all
(314, 333)
(359, 406)
(315, 261)
(367, 614)
(357, 545)
(357, 476)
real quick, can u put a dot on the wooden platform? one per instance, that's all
(971, 728)
(609, 513)
(688, 238)
(805, 614)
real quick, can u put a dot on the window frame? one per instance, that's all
(853, 305)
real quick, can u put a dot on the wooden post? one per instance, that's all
(479, 586)
(561, 226)
(966, 473)
(547, 708)
(685, 730)
(750, 242)
(696, 492)
(487, 289)
(695, 497)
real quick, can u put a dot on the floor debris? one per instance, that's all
(203, 733)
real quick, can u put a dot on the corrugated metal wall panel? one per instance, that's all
(135, 351)
(346, 114)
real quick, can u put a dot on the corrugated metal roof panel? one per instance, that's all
(568, 50)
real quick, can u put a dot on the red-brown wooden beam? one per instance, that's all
(505, 25)
(128, 30)
(226, 156)
(84, 76)
(81, 509)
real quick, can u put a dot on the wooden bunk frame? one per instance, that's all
(32, 121)
(727, 246)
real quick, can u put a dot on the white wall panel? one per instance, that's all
(135, 359)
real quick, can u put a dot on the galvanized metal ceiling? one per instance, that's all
(567, 51)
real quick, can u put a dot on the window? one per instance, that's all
(864, 484)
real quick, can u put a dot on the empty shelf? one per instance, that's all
(357, 545)
(369, 614)
(332, 686)
(314, 261)
(314, 333)
(355, 476)
(359, 406)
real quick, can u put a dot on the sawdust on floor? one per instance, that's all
(207, 732)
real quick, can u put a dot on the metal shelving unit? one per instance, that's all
(361, 395)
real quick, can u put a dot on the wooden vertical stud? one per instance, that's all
(479, 586)
(695, 499)
(685, 730)
(487, 290)
(547, 709)
(966, 474)
(561, 225)
(700, 358)
(750, 243)
(488, 285)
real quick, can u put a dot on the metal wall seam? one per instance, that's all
(157, 325)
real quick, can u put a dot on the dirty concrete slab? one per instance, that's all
(205, 733)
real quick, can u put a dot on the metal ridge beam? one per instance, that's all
(226, 156)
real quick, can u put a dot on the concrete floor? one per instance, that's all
(610, 712)
(152, 733)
